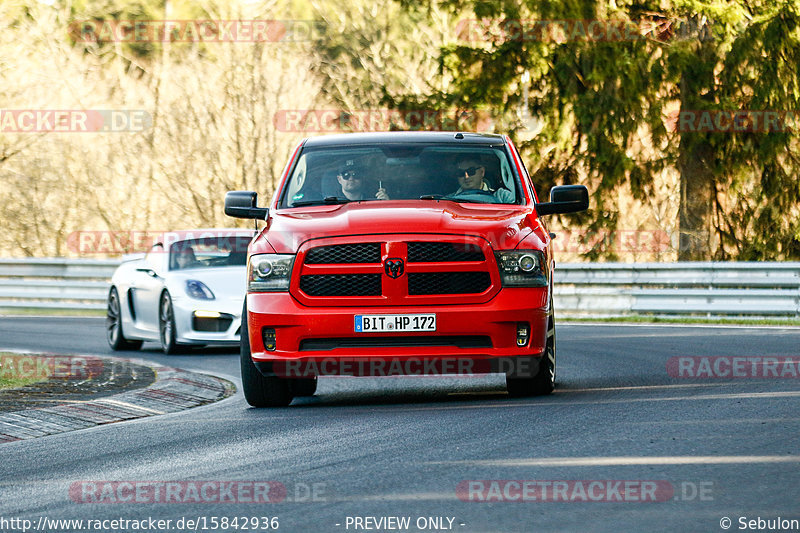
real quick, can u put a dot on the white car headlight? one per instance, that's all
(197, 289)
(269, 272)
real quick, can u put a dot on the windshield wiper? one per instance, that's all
(328, 200)
(451, 198)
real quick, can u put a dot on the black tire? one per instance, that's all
(114, 335)
(543, 383)
(303, 386)
(259, 390)
(166, 326)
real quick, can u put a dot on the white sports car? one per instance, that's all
(186, 290)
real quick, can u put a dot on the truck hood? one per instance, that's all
(503, 226)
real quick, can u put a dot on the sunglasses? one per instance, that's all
(349, 175)
(470, 171)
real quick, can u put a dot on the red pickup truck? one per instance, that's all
(393, 253)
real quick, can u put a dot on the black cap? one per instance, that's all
(350, 164)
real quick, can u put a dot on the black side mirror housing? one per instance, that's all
(243, 204)
(565, 199)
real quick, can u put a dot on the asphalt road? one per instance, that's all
(429, 448)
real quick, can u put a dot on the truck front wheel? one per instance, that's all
(260, 390)
(543, 382)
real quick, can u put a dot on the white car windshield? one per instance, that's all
(208, 252)
(396, 171)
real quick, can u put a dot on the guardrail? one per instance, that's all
(72, 284)
(582, 289)
(690, 288)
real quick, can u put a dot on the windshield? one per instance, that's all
(208, 252)
(472, 174)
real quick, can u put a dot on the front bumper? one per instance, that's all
(185, 323)
(469, 339)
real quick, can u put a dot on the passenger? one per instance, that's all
(470, 173)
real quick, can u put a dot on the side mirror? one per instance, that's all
(565, 199)
(242, 204)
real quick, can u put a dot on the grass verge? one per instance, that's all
(755, 322)
(13, 374)
(43, 311)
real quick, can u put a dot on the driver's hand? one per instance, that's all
(381, 194)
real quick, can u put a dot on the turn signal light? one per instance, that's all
(268, 335)
(523, 333)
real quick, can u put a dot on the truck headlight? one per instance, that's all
(522, 268)
(269, 272)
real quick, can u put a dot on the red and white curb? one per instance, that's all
(173, 390)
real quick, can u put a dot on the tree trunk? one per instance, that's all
(694, 212)
(695, 159)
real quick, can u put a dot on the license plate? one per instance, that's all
(402, 323)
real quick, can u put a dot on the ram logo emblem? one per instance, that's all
(393, 267)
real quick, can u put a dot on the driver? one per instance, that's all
(471, 173)
(185, 258)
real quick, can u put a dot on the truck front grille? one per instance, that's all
(341, 285)
(362, 252)
(448, 282)
(435, 252)
(459, 270)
